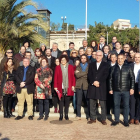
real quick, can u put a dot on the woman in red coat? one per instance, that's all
(64, 83)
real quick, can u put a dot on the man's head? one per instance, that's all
(137, 58)
(28, 55)
(48, 52)
(118, 46)
(113, 58)
(126, 48)
(81, 51)
(26, 44)
(132, 53)
(9, 53)
(121, 59)
(22, 50)
(102, 40)
(114, 39)
(83, 59)
(85, 43)
(71, 45)
(99, 56)
(106, 49)
(54, 47)
(26, 62)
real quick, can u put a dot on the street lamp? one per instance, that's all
(86, 22)
(139, 25)
(63, 18)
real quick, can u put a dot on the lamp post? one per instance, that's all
(139, 24)
(63, 18)
(86, 22)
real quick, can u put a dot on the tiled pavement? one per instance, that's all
(52, 129)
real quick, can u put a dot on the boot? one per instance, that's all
(61, 117)
(66, 117)
(10, 113)
(5, 113)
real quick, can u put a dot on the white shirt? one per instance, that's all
(101, 46)
(136, 71)
(120, 66)
(98, 64)
(112, 64)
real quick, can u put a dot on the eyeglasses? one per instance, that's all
(9, 52)
(125, 47)
(98, 55)
(37, 51)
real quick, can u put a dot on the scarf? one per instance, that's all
(89, 57)
(84, 66)
(65, 77)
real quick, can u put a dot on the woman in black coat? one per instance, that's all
(8, 87)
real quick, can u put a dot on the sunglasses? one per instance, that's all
(9, 52)
(73, 52)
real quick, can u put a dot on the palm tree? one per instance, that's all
(16, 24)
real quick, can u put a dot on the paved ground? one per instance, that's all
(53, 129)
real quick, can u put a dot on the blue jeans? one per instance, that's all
(79, 94)
(124, 95)
(74, 101)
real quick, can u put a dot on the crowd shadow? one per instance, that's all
(63, 122)
(3, 138)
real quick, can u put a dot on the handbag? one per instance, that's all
(9, 88)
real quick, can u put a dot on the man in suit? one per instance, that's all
(106, 50)
(135, 98)
(50, 58)
(71, 47)
(118, 48)
(97, 76)
(55, 51)
(85, 44)
(25, 88)
(121, 85)
(102, 43)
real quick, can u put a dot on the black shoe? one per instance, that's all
(115, 123)
(30, 117)
(40, 118)
(46, 118)
(10, 113)
(18, 118)
(61, 117)
(126, 124)
(66, 117)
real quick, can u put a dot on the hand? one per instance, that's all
(76, 71)
(73, 88)
(42, 86)
(55, 89)
(96, 83)
(131, 91)
(139, 92)
(22, 84)
(111, 92)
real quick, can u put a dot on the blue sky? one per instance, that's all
(105, 11)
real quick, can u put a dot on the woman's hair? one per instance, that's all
(73, 51)
(5, 64)
(64, 52)
(26, 42)
(93, 41)
(64, 56)
(36, 50)
(44, 58)
(90, 49)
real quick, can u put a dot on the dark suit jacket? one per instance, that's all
(99, 75)
(52, 65)
(58, 53)
(30, 74)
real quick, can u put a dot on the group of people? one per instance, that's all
(105, 75)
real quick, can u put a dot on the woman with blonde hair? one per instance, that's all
(74, 55)
(88, 52)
